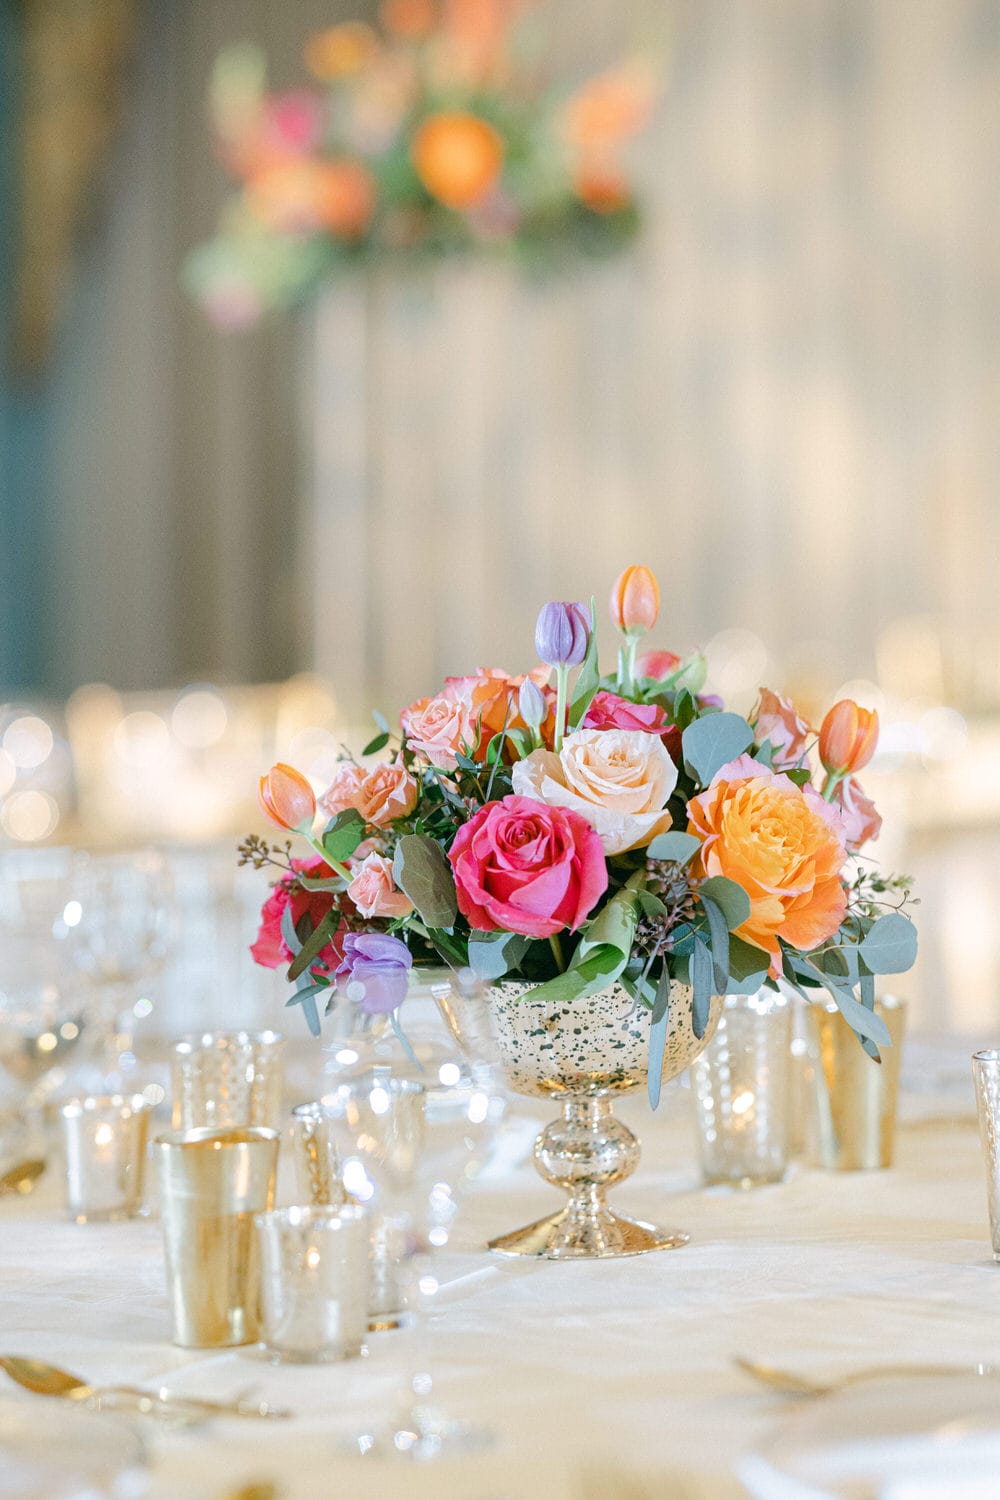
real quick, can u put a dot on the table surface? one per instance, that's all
(601, 1379)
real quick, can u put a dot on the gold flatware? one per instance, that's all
(48, 1380)
(21, 1178)
(262, 1490)
(788, 1383)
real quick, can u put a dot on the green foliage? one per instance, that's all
(494, 954)
(420, 868)
(675, 846)
(589, 678)
(658, 1024)
(713, 740)
(343, 835)
(891, 945)
(730, 898)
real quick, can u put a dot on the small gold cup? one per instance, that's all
(212, 1184)
(852, 1100)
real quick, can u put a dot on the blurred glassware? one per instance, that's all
(124, 927)
(314, 1282)
(986, 1075)
(852, 1100)
(224, 1078)
(105, 1142)
(741, 1086)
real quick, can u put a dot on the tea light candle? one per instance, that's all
(314, 1282)
(105, 1138)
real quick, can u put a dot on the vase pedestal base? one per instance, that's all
(571, 1236)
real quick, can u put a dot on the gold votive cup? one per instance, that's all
(986, 1076)
(212, 1184)
(105, 1138)
(225, 1078)
(851, 1099)
(315, 1282)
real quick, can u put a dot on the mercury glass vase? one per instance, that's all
(583, 1052)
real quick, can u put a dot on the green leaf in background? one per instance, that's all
(692, 673)
(344, 834)
(659, 1021)
(800, 775)
(764, 754)
(719, 933)
(730, 897)
(314, 945)
(676, 846)
(331, 883)
(589, 679)
(712, 741)
(891, 945)
(600, 968)
(494, 954)
(701, 984)
(378, 743)
(421, 869)
(381, 721)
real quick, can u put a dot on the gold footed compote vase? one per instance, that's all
(584, 1052)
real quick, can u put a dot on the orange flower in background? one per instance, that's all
(409, 18)
(458, 158)
(346, 198)
(304, 196)
(341, 50)
(783, 845)
(602, 189)
(286, 798)
(847, 737)
(635, 600)
(610, 108)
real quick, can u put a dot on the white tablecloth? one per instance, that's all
(602, 1379)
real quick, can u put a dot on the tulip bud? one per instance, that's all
(531, 704)
(562, 634)
(635, 600)
(286, 798)
(847, 738)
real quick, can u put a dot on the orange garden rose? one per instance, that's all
(784, 845)
(847, 737)
(492, 696)
(458, 158)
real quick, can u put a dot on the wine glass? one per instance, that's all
(123, 930)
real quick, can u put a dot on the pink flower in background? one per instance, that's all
(344, 790)
(523, 867)
(270, 949)
(608, 711)
(862, 821)
(437, 728)
(776, 720)
(657, 664)
(375, 893)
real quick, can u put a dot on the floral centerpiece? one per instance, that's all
(438, 132)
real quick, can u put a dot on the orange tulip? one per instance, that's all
(409, 18)
(341, 50)
(458, 158)
(635, 600)
(847, 737)
(286, 798)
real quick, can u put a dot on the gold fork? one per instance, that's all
(788, 1383)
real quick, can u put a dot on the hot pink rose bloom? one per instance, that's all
(608, 711)
(437, 728)
(776, 719)
(343, 790)
(521, 866)
(270, 950)
(374, 892)
(657, 664)
(862, 820)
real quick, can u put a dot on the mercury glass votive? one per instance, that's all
(741, 1088)
(105, 1140)
(986, 1075)
(222, 1079)
(314, 1270)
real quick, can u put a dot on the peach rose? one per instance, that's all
(784, 845)
(492, 696)
(618, 779)
(386, 793)
(375, 893)
(437, 728)
(343, 790)
(776, 720)
(862, 820)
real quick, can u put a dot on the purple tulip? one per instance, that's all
(381, 965)
(531, 704)
(562, 634)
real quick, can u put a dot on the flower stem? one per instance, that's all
(626, 665)
(830, 785)
(562, 683)
(557, 952)
(335, 865)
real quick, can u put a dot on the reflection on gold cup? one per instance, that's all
(852, 1099)
(212, 1183)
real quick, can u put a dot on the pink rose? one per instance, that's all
(608, 711)
(375, 893)
(521, 866)
(776, 720)
(657, 665)
(270, 950)
(437, 728)
(343, 790)
(862, 821)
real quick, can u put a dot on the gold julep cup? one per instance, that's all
(212, 1184)
(851, 1099)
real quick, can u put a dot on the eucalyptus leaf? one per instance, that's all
(860, 1019)
(868, 991)
(344, 834)
(314, 945)
(381, 721)
(891, 945)
(659, 1022)
(701, 984)
(719, 932)
(600, 968)
(288, 933)
(746, 963)
(330, 883)
(494, 954)
(614, 926)
(713, 740)
(675, 846)
(420, 868)
(730, 897)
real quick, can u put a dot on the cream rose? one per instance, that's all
(618, 779)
